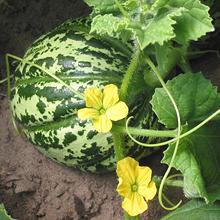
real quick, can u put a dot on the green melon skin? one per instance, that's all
(47, 111)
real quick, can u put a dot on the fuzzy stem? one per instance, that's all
(118, 138)
(145, 132)
(128, 76)
(118, 145)
(191, 131)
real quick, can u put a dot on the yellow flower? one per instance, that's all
(135, 186)
(103, 107)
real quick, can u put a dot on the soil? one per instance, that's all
(33, 187)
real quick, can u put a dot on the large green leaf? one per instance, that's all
(198, 159)
(195, 21)
(159, 29)
(3, 213)
(195, 210)
(195, 96)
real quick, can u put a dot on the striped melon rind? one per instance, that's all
(47, 110)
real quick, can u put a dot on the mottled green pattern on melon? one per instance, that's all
(67, 52)
(83, 148)
(38, 103)
(47, 110)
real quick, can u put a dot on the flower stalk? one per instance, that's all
(118, 145)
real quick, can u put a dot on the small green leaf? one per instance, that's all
(198, 159)
(3, 213)
(195, 210)
(195, 97)
(108, 24)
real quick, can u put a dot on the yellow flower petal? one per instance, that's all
(134, 206)
(126, 170)
(102, 124)
(148, 191)
(124, 188)
(86, 113)
(110, 96)
(117, 111)
(93, 98)
(143, 175)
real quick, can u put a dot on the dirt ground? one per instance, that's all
(33, 187)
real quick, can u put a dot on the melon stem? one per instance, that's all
(145, 132)
(118, 139)
(127, 80)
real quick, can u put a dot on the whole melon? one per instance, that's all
(47, 110)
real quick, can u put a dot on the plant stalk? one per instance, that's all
(118, 145)
(145, 132)
(128, 76)
(118, 137)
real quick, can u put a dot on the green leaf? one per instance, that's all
(152, 22)
(195, 21)
(3, 213)
(195, 97)
(108, 24)
(159, 29)
(195, 210)
(198, 159)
